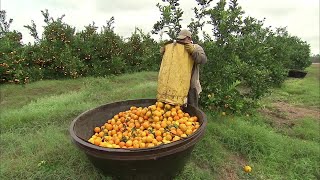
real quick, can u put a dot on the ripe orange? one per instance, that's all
(188, 131)
(146, 124)
(183, 127)
(97, 141)
(163, 124)
(129, 143)
(247, 169)
(97, 129)
(101, 134)
(136, 145)
(142, 145)
(156, 118)
(159, 138)
(160, 104)
(149, 113)
(149, 139)
(158, 126)
(167, 106)
(176, 118)
(150, 145)
(158, 133)
(168, 137)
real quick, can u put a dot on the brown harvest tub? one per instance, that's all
(160, 162)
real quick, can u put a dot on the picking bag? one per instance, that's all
(175, 74)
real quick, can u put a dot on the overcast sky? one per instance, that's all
(301, 17)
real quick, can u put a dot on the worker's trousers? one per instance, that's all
(193, 97)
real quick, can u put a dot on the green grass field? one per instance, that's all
(274, 141)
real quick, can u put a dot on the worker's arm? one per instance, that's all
(198, 55)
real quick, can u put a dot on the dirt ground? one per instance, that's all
(285, 115)
(229, 171)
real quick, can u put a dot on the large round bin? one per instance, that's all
(160, 162)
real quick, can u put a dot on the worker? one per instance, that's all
(198, 56)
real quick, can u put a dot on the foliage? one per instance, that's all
(62, 53)
(170, 18)
(245, 58)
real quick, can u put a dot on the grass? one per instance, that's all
(301, 92)
(35, 142)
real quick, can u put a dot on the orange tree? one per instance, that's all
(141, 52)
(10, 51)
(62, 53)
(245, 59)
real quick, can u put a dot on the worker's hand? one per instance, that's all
(162, 49)
(189, 47)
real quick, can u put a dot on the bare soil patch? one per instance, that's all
(282, 114)
(229, 171)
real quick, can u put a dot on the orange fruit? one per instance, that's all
(159, 138)
(97, 141)
(168, 137)
(97, 129)
(167, 106)
(101, 134)
(179, 132)
(195, 118)
(109, 127)
(176, 118)
(156, 118)
(176, 138)
(173, 131)
(160, 104)
(188, 123)
(158, 133)
(173, 113)
(183, 135)
(136, 145)
(129, 143)
(113, 132)
(148, 114)
(142, 145)
(163, 124)
(180, 115)
(188, 131)
(183, 127)
(150, 145)
(247, 169)
(168, 114)
(146, 124)
(161, 130)
(143, 111)
(149, 139)
(157, 126)
(117, 141)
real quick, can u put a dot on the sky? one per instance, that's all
(300, 17)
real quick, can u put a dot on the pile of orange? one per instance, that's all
(145, 127)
